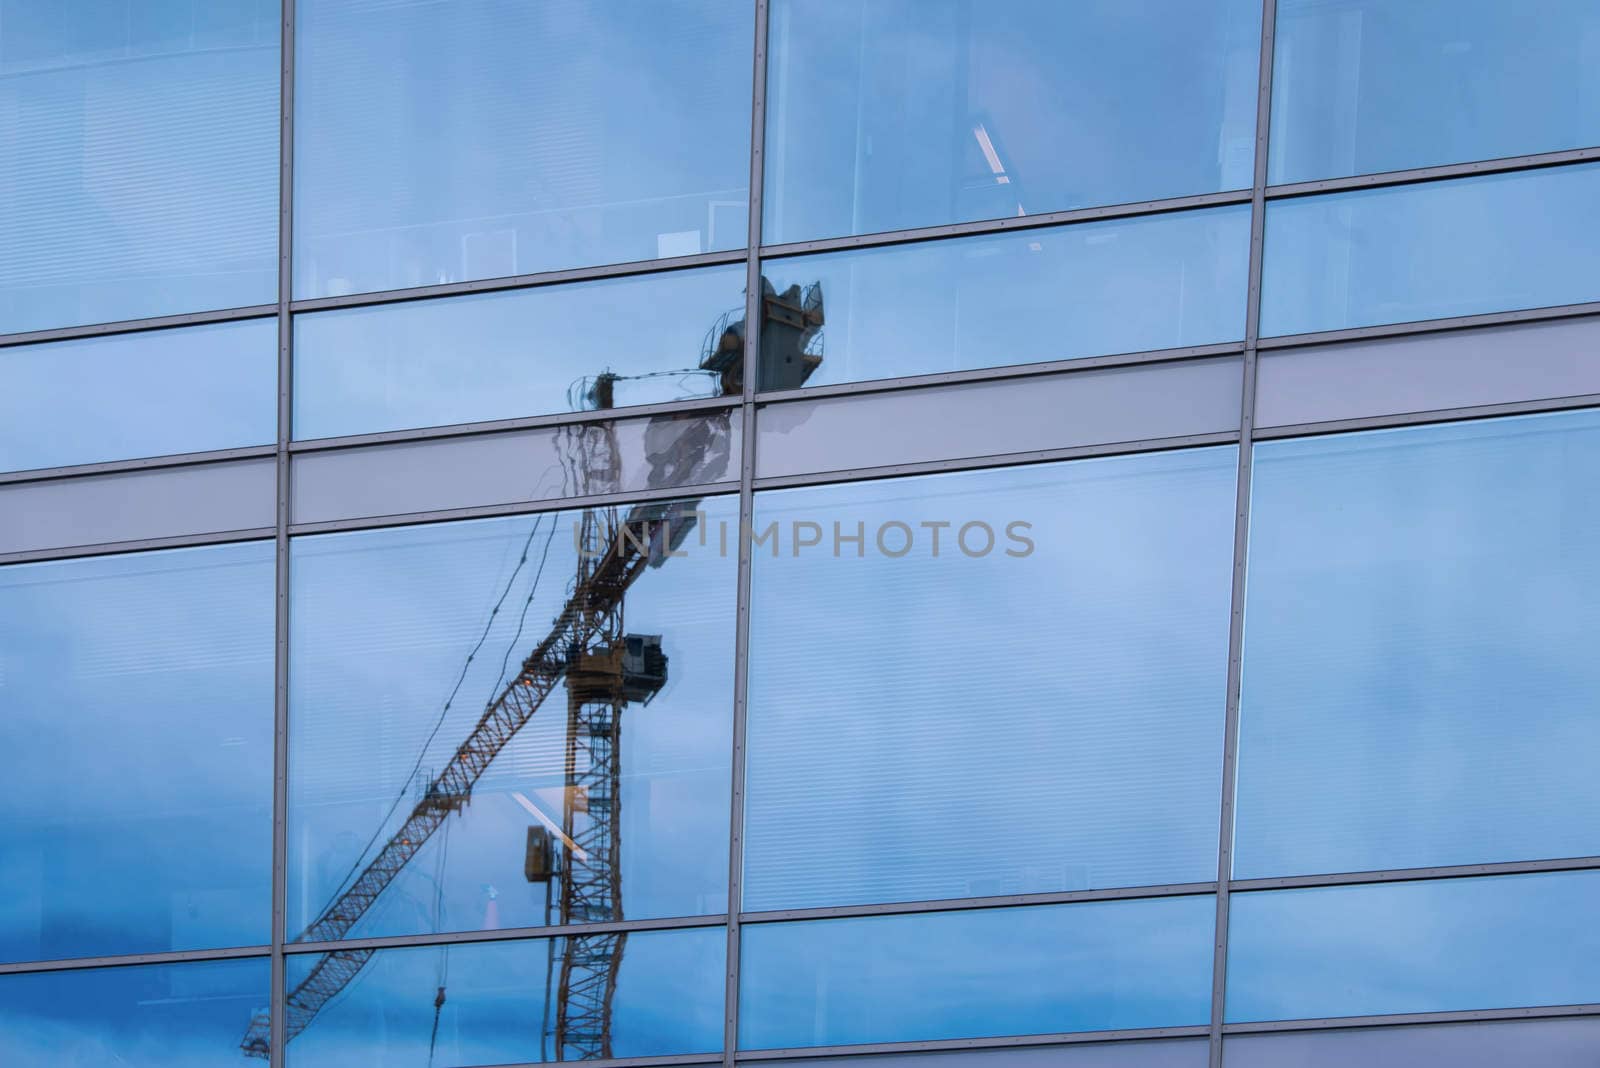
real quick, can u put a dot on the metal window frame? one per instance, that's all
(1241, 535)
(279, 949)
(277, 1013)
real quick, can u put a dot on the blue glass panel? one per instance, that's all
(1095, 966)
(401, 638)
(153, 1016)
(1360, 86)
(151, 393)
(470, 139)
(1419, 675)
(140, 170)
(516, 353)
(504, 1002)
(1406, 253)
(1554, 1043)
(1036, 713)
(1090, 289)
(1160, 1053)
(1444, 945)
(136, 752)
(905, 113)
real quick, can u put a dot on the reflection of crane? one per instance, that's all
(604, 669)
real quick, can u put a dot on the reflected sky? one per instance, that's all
(1419, 675)
(1084, 290)
(156, 1016)
(140, 176)
(136, 749)
(151, 393)
(382, 627)
(1505, 942)
(924, 727)
(499, 999)
(905, 113)
(1401, 253)
(504, 355)
(1362, 86)
(438, 142)
(1094, 966)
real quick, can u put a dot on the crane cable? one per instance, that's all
(449, 701)
(444, 950)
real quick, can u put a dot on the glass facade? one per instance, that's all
(711, 532)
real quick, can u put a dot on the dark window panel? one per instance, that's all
(167, 502)
(1430, 946)
(151, 1016)
(488, 356)
(480, 138)
(1362, 86)
(1488, 243)
(1545, 1043)
(1006, 416)
(1094, 966)
(1418, 672)
(1429, 372)
(1090, 289)
(140, 176)
(399, 640)
(503, 1002)
(1042, 716)
(510, 467)
(136, 752)
(906, 113)
(128, 396)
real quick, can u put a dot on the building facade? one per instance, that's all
(707, 532)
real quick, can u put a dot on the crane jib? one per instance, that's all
(644, 537)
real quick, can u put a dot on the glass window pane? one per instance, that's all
(140, 175)
(1037, 712)
(906, 113)
(151, 393)
(518, 1002)
(152, 1016)
(1123, 285)
(468, 139)
(1361, 86)
(1545, 1043)
(1094, 966)
(136, 752)
(1436, 946)
(1164, 1053)
(1419, 675)
(503, 355)
(1401, 254)
(607, 801)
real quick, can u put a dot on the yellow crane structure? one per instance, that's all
(603, 668)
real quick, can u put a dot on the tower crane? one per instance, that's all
(604, 669)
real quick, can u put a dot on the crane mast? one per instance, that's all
(604, 669)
